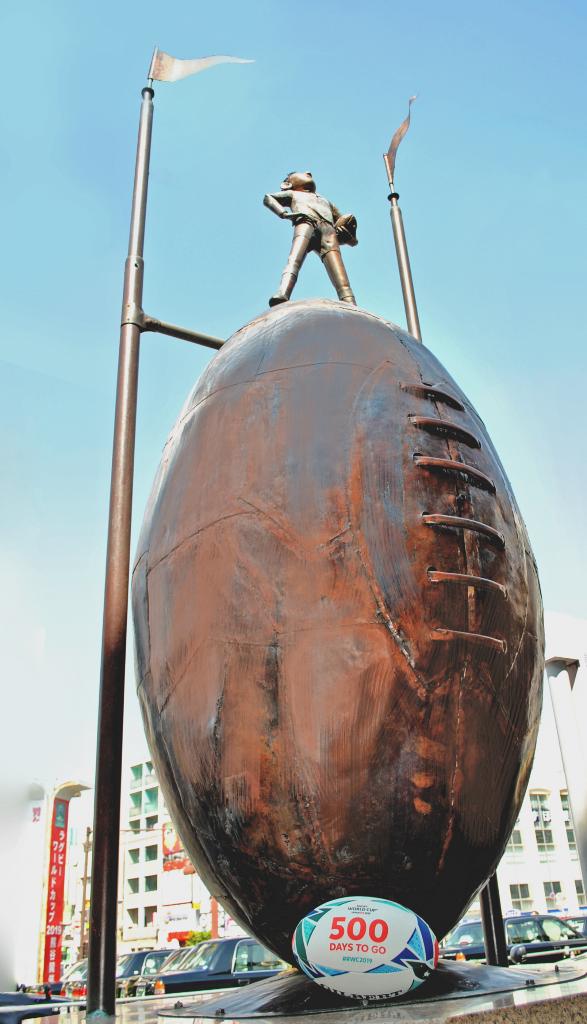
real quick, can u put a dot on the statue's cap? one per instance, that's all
(302, 180)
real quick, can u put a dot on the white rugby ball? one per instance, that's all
(365, 947)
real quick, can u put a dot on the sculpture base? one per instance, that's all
(453, 990)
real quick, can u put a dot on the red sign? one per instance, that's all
(55, 892)
(174, 855)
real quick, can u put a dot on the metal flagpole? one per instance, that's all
(399, 236)
(104, 895)
(106, 837)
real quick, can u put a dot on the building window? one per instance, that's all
(150, 916)
(152, 821)
(580, 890)
(133, 885)
(135, 806)
(540, 805)
(133, 856)
(135, 826)
(136, 776)
(515, 844)
(150, 883)
(544, 840)
(151, 852)
(552, 893)
(520, 896)
(132, 915)
(152, 800)
(568, 820)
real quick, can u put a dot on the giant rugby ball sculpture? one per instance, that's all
(338, 626)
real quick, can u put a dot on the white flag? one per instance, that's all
(165, 68)
(397, 138)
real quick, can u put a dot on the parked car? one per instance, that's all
(55, 988)
(143, 984)
(74, 986)
(530, 938)
(220, 963)
(133, 966)
(23, 1005)
(128, 965)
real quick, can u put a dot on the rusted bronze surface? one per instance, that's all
(332, 710)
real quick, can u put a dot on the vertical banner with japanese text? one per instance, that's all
(55, 891)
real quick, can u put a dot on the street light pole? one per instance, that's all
(561, 674)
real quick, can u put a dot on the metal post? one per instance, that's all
(103, 907)
(183, 333)
(496, 952)
(561, 673)
(213, 917)
(403, 260)
(85, 880)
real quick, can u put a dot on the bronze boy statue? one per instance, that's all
(318, 227)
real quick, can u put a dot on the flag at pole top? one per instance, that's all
(165, 68)
(397, 138)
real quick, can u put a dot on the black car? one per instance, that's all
(530, 938)
(132, 965)
(22, 1005)
(128, 966)
(220, 963)
(142, 984)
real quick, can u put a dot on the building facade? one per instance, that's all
(540, 869)
(161, 897)
(141, 860)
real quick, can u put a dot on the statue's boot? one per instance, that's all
(336, 271)
(302, 237)
(285, 289)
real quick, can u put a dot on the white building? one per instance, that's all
(141, 860)
(25, 865)
(78, 885)
(540, 869)
(161, 898)
(24, 819)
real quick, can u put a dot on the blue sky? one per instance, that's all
(491, 178)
